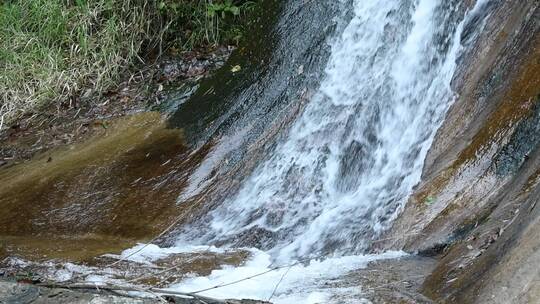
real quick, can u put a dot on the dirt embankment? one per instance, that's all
(476, 207)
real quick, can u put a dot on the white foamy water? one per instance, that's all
(303, 284)
(349, 162)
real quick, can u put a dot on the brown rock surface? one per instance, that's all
(476, 207)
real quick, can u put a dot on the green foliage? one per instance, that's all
(199, 22)
(222, 9)
(53, 49)
(429, 200)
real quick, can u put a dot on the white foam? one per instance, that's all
(300, 283)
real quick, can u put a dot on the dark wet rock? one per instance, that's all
(283, 36)
(470, 28)
(241, 111)
(523, 141)
(254, 237)
(352, 164)
(435, 250)
(192, 63)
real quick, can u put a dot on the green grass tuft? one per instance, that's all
(52, 50)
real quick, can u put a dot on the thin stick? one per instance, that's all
(279, 282)
(149, 243)
(110, 287)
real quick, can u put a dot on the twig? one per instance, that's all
(235, 282)
(169, 269)
(147, 244)
(279, 282)
(322, 255)
(110, 287)
(2, 121)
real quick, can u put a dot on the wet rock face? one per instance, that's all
(282, 56)
(524, 140)
(354, 160)
(476, 206)
(253, 99)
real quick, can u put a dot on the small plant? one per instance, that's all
(222, 9)
(429, 200)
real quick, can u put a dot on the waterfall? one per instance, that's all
(349, 162)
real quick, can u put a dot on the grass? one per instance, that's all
(52, 51)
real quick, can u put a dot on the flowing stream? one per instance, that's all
(349, 162)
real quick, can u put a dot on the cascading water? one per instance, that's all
(350, 161)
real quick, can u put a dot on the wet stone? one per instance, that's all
(523, 141)
(16, 293)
